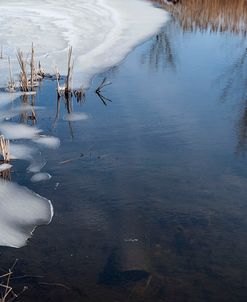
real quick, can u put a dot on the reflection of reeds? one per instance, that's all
(242, 132)
(29, 114)
(214, 15)
(6, 175)
(161, 53)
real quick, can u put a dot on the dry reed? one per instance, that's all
(23, 75)
(11, 82)
(68, 82)
(32, 69)
(213, 15)
(4, 149)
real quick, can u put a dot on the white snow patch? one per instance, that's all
(48, 141)
(76, 116)
(42, 176)
(21, 211)
(4, 167)
(20, 151)
(18, 131)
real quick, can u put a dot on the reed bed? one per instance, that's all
(213, 15)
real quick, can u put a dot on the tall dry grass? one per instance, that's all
(4, 149)
(23, 75)
(214, 15)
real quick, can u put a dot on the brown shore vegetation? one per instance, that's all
(213, 15)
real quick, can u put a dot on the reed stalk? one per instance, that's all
(11, 83)
(4, 149)
(32, 68)
(23, 75)
(68, 82)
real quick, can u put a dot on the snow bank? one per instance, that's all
(102, 32)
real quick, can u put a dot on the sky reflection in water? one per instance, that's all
(150, 191)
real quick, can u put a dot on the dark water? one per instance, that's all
(150, 192)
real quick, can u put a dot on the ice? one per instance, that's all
(76, 116)
(18, 131)
(42, 176)
(102, 32)
(4, 167)
(21, 211)
(6, 98)
(48, 141)
(20, 151)
(36, 165)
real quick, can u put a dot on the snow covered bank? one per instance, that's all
(102, 32)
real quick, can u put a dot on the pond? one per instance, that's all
(149, 183)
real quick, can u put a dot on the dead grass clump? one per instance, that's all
(4, 149)
(23, 75)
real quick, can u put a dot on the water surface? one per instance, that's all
(149, 191)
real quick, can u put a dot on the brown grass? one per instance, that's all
(4, 149)
(68, 83)
(214, 15)
(23, 66)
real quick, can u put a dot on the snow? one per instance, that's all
(42, 176)
(4, 167)
(48, 141)
(18, 131)
(21, 211)
(102, 32)
(76, 116)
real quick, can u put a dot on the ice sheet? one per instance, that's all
(21, 211)
(102, 32)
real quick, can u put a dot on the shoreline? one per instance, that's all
(110, 38)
